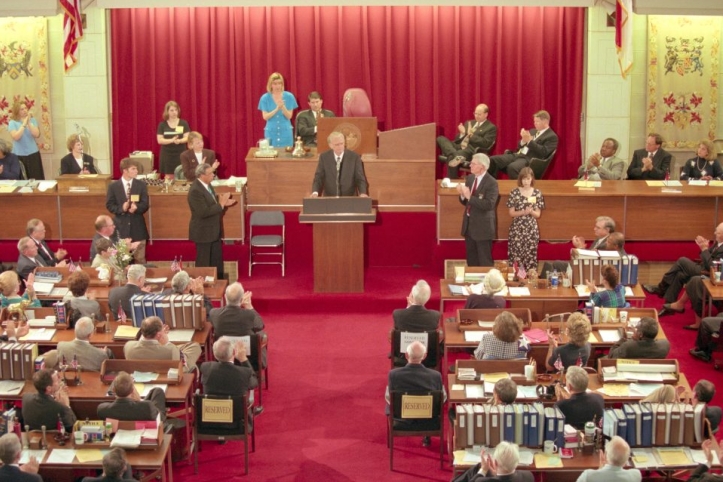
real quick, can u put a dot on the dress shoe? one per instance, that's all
(456, 161)
(668, 307)
(425, 441)
(665, 312)
(700, 354)
(653, 290)
(258, 410)
(691, 327)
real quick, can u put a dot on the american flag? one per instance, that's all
(667, 176)
(579, 360)
(121, 314)
(522, 272)
(180, 263)
(71, 266)
(558, 364)
(174, 265)
(72, 31)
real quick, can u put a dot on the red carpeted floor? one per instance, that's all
(323, 417)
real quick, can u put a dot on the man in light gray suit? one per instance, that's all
(612, 461)
(603, 165)
(29, 259)
(479, 195)
(88, 356)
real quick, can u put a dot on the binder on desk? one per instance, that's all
(188, 311)
(30, 353)
(460, 427)
(661, 424)
(163, 309)
(137, 311)
(148, 305)
(177, 308)
(559, 428)
(646, 425)
(5, 361)
(480, 435)
(675, 434)
(634, 424)
(622, 430)
(508, 434)
(629, 272)
(610, 423)
(689, 425)
(494, 429)
(537, 422)
(198, 312)
(550, 423)
(525, 428)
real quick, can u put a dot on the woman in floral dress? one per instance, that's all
(525, 206)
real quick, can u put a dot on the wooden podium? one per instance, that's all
(338, 241)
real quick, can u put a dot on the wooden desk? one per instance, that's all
(157, 462)
(694, 211)
(389, 180)
(69, 216)
(459, 396)
(454, 340)
(542, 301)
(711, 293)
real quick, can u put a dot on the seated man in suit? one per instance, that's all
(49, 403)
(115, 468)
(340, 171)
(643, 344)
(223, 377)
(89, 357)
(196, 155)
(505, 392)
(120, 296)
(538, 143)
(238, 317)
(28, 258)
(473, 136)
(683, 271)
(603, 165)
(182, 284)
(704, 342)
(703, 392)
(306, 120)
(653, 162)
(501, 466)
(616, 242)
(415, 317)
(414, 376)
(105, 229)
(154, 345)
(11, 470)
(576, 404)
(128, 404)
(617, 453)
(36, 231)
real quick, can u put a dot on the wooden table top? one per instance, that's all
(564, 294)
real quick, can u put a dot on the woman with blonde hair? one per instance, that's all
(277, 107)
(24, 130)
(172, 136)
(10, 289)
(77, 162)
(578, 348)
(505, 341)
(704, 165)
(493, 283)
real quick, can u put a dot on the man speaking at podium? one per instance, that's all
(340, 172)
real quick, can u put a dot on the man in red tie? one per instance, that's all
(653, 162)
(479, 195)
(473, 136)
(127, 199)
(36, 231)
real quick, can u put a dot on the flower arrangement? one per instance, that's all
(122, 254)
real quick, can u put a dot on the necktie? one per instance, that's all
(474, 188)
(42, 246)
(213, 193)
(650, 155)
(128, 190)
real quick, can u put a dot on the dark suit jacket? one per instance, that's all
(305, 124)
(113, 239)
(40, 409)
(206, 213)
(352, 175)
(25, 266)
(414, 376)
(10, 473)
(128, 225)
(416, 319)
(661, 165)
(235, 321)
(482, 139)
(484, 301)
(190, 163)
(127, 409)
(543, 146)
(701, 474)
(472, 475)
(68, 165)
(581, 408)
(49, 260)
(653, 349)
(127, 476)
(480, 224)
(121, 296)
(222, 378)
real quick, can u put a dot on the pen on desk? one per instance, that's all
(14, 389)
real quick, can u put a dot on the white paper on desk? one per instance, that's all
(474, 335)
(45, 185)
(697, 182)
(629, 292)
(156, 281)
(698, 456)
(644, 389)
(472, 456)
(642, 376)
(526, 391)
(127, 438)
(457, 386)
(61, 456)
(489, 387)
(486, 324)
(610, 336)
(40, 323)
(582, 291)
(458, 290)
(474, 391)
(11, 387)
(40, 334)
(144, 377)
(644, 458)
(40, 455)
(148, 387)
(180, 336)
(59, 292)
(527, 456)
(519, 291)
(646, 367)
(583, 183)
(43, 288)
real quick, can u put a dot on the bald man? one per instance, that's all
(474, 136)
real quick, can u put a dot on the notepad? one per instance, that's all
(545, 461)
(126, 332)
(180, 336)
(88, 455)
(617, 389)
(61, 456)
(672, 456)
(519, 291)
(588, 184)
(474, 391)
(474, 336)
(609, 336)
(39, 334)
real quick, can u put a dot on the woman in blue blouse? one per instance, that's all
(277, 107)
(10, 286)
(24, 130)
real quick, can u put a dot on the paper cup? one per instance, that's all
(530, 373)
(623, 317)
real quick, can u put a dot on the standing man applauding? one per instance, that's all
(479, 195)
(206, 211)
(128, 200)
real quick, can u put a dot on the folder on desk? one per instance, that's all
(460, 428)
(537, 425)
(646, 425)
(508, 434)
(632, 435)
(494, 428)
(480, 435)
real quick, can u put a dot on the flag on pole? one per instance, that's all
(72, 31)
(558, 364)
(624, 35)
(71, 266)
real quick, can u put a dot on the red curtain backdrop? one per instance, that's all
(418, 65)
